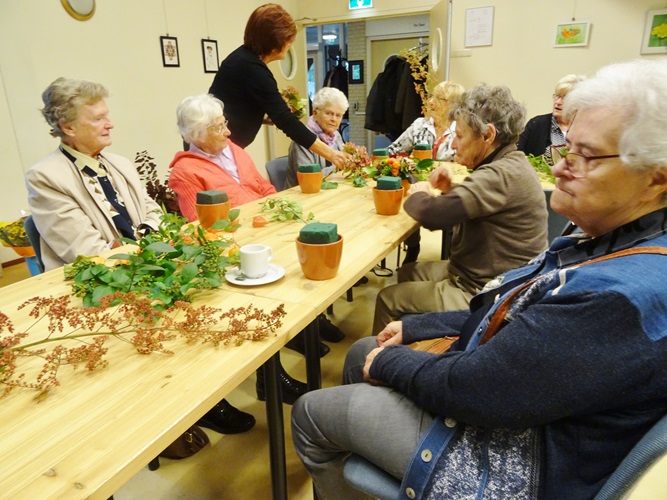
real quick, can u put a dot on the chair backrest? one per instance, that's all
(644, 454)
(277, 170)
(33, 235)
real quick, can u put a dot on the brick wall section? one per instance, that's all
(356, 47)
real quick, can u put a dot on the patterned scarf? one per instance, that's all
(328, 139)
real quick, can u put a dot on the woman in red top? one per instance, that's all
(213, 161)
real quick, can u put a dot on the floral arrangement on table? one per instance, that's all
(355, 168)
(140, 298)
(402, 165)
(291, 96)
(171, 264)
(12, 234)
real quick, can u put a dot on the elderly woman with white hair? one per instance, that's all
(543, 131)
(436, 128)
(213, 161)
(559, 369)
(329, 107)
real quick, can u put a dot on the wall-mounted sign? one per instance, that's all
(361, 4)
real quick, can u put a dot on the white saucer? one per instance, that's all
(274, 273)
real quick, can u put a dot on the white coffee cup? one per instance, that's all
(255, 260)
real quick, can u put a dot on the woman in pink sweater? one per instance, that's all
(213, 161)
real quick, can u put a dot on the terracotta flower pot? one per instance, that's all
(320, 262)
(387, 202)
(406, 186)
(24, 251)
(209, 214)
(310, 182)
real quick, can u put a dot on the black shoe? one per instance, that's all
(362, 281)
(298, 344)
(411, 255)
(226, 419)
(292, 389)
(329, 331)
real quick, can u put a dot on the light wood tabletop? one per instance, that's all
(96, 430)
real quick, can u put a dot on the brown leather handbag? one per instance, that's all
(187, 444)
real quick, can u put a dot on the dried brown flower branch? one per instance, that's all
(78, 335)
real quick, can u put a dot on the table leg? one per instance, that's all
(312, 342)
(274, 417)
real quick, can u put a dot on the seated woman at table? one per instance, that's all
(436, 128)
(83, 202)
(438, 131)
(213, 161)
(543, 131)
(498, 214)
(560, 368)
(329, 106)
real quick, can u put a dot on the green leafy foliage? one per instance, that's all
(282, 210)
(170, 264)
(542, 167)
(329, 184)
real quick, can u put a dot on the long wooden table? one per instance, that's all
(95, 431)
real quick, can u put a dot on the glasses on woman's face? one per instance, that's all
(557, 97)
(579, 165)
(332, 114)
(219, 129)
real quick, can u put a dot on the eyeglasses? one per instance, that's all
(556, 97)
(578, 164)
(219, 128)
(331, 114)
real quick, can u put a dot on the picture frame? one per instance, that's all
(209, 50)
(355, 71)
(655, 32)
(572, 34)
(169, 49)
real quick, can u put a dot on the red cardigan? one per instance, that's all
(191, 173)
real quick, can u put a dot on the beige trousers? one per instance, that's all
(422, 287)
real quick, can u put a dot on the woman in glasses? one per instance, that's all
(213, 161)
(329, 106)
(543, 131)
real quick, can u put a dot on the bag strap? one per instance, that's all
(500, 313)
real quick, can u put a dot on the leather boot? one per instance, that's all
(291, 388)
(329, 331)
(226, 419)
(411, 254)
(298, 344)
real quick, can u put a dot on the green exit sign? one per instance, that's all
(361, 4)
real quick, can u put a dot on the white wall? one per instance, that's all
(522, 55)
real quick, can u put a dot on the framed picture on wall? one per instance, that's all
(655, 32)
(209, 50)
(169, 46)
(572, 34)
(356, 71)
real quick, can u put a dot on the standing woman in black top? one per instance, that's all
(247, 87)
